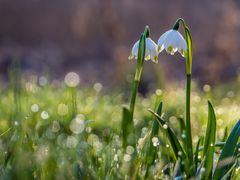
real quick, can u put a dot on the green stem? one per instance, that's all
(74, 102)
(133, 97)
(189, 149)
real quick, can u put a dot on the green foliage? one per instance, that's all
(50, 131)
(209, 142)
(227, 157)
(176, 146)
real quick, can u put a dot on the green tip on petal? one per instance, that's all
(159, 49)
(183, 53)
(170, 50)
(147, 57)
(130, 56)
(155, 59)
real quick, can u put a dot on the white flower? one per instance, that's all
(151, 51)
(172, 41)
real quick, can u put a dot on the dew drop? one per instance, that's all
(127, 157)
(97, 87)
(35, 108)
(77, 125)
(165, 126)
(44, 115)
(71, 142)
(72, 79)
(130, 150)
(55, 126)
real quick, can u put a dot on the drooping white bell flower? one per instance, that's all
(172, 41)
(151, 51)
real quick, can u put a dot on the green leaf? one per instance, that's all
(229, 172)
(196, 155)
(141, 49)
(175, 144)
(141, 56)
(209, 141)
(152, 151)
(182, 125)
(225, 134)
(155, 128)
(127, 124)
(183, 131)
(227, 157)
(177, 169)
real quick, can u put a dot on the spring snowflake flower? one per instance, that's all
(150, 53)
(172, 41)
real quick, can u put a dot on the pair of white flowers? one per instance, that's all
(172, 41)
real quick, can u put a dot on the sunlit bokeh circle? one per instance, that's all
(62, 109)
(77, 125)
(35, 108)
(72, 79)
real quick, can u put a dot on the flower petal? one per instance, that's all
(135, 49)
(162, 38)
(153, 49)
(172, 41)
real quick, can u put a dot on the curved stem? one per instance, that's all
(189, 148)
(189, 43)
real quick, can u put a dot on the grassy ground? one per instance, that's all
(52, 131)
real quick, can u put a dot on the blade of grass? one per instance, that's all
(183, 131)
(127, 125)
(229, 172)
(177, 169)
(196, 155)
(176, 146)
(227, 155)
(218, 144)
(209, 141)
(152, 152)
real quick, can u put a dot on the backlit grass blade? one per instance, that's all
(127, 125)
(227, 158)
(152, 151)
(196, 155)
(183, 131)
(209, 141)
(227, 176)
(177, 169)
(176, 146)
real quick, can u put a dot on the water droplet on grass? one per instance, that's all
(158, 92)
(72, 79)
(77, 125)
(130, 150)
(71, 142)
(55, 126)
(43, 81)
(206, 88)
(155, 141)
(97, 87)
(165, 126)
(127, 157)
(44, 115)
(35, 108)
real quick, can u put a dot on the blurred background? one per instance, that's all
(94, 38)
